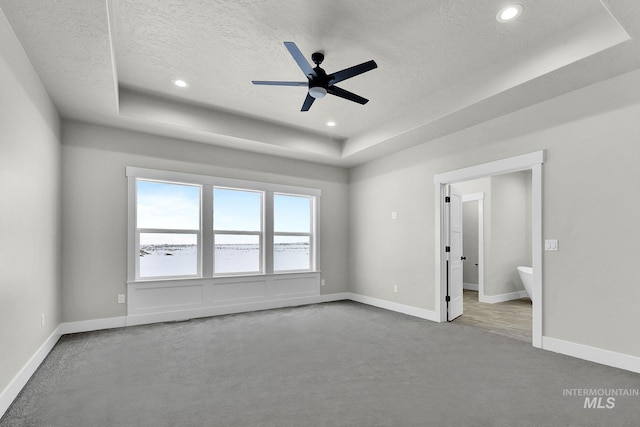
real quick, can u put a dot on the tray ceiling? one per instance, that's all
(442, 66)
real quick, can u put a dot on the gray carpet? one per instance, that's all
(335, 364)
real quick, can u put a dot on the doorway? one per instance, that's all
(533, 162)
(473, 224)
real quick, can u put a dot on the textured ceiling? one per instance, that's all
(419, 47)
(442, 65)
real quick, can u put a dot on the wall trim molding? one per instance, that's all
(592, 354)
(470, 286)
(394, 306)
(93, 325)
(181, 299)
(12, 390)
(336, 297)
(493, 299)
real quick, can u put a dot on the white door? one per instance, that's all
(454, 260)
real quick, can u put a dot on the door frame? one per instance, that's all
(531, 161)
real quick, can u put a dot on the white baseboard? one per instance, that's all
(122, 321)
(592, 354)
(493, 299)
(394, 306)
(143, 319)
(470, 286)
(93, 325)
(15, 386)
(336, 297)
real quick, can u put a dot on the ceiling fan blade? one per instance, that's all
(347, 73)
(307, 102)
(334, 90)
(270, 83)
(300, 59)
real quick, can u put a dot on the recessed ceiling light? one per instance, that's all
(509, 13)
(180, 83)
(331, 123)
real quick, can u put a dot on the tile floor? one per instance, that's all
(510, 318)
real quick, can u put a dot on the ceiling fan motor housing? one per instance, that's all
(319, 83)
(317, 57)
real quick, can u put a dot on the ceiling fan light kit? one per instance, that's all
(319, 82)
(317, 92)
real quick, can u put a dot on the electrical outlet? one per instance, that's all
(42, 319)
(394, 215)
(322, 282)
(120, 298)
(395, 288)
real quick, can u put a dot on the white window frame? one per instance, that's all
(206, 239)
(197, 233)
(309, 234)
(259, 233)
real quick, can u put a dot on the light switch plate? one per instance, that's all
(551, 245)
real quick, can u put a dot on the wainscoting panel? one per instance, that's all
(163, 300)
(239, 291)
(153, 299)
(293, 287)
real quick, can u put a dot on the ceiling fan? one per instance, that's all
(319, 82)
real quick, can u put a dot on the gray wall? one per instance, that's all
(29, 209)
(510, 238)
(95, 206)
(590, 138)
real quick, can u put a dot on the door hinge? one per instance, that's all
(447, 199)
(447, 248)
(447, 298)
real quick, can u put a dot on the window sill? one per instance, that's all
(221, 278)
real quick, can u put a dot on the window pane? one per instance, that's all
(237, 253)
(170, 206)
(292, 213)
(168, 254)
(291, 253)
(237, 210)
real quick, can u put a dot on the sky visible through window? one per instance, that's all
(236, 210)
(163, 205)
(291, 213)
(168, 206)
